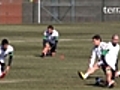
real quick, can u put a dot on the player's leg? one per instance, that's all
(117, 73)
(110, 75)
(46, 48)
(89, 71)
(53, 49)
(2, 68)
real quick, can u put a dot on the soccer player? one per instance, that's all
(109, 57)
(96, 54)
(110, 62)
(50, 41)
(5, 50)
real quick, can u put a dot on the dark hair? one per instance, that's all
(97, 37)
(4, 41)
(51, 27)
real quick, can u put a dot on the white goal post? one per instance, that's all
(39, 11)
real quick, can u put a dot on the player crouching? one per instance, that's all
(50, 41)
(5, 50)
(108, 62)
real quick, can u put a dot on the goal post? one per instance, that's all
(39, 11)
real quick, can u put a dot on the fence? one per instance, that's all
(58, 11)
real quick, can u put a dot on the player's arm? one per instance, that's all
(10, 59)
(45, 39)
(45, 35)
(92, 59)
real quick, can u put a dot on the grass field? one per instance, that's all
(30, 72)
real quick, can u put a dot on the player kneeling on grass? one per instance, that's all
(5, 50)
(50, 41)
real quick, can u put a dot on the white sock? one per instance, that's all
(112, 82)
(86, 75)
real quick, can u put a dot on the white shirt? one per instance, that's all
(96, 53)
(51, 37)
(54, 34)
(4, 54)
(112, 55)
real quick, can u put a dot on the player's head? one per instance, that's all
(50, 28)
(96, 40)
(115, 39)
(4, 44)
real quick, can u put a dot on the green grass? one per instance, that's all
(30, 72)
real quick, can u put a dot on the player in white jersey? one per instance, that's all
(96, 54)
(5, 50)
(50, 41)
(110, 57)
(108, 61)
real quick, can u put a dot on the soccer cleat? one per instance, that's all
(3, 75)
(81, 75)
(111, 84)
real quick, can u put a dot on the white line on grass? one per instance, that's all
(37, 40)
(40, 40)
(18, 81)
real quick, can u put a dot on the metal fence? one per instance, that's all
(69, 11)
(75, 11)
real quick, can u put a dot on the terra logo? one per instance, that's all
(111, 10)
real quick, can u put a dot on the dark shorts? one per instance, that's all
(2, 66)
(105, 65)
(53, 46)
(116, 65)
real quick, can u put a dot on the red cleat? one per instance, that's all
(3, 75)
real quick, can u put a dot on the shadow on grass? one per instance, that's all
(95, 76)
(37, 55)
(94, 85)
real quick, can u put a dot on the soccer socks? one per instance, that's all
(83, 76)
(111, 84)
(86, 75)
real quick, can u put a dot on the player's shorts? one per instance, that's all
(2, 66)
(53, 46)
(116, 65)
(103, 64)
